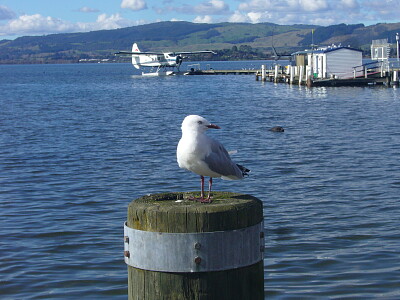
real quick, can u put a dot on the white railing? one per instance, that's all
(369, 68)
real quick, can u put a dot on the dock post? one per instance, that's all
(301, 71)
(263, 72)
(395, 79)
(181, 249)
(276, 73)
(309, 82)
(292, 68)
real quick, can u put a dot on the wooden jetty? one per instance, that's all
(176, 248)
(374, 73)
(222, 72)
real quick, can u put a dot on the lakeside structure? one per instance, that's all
(327, 66)
(336, 66)
(328, 62)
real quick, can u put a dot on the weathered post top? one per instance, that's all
(173, 212)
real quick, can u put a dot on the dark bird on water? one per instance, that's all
(277, 129)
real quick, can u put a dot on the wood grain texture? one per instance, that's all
(161, 213)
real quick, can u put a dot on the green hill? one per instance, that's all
(252, 40)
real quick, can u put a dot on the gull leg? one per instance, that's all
(201, 199)
(209, 191)
(202, 187)
(208, 199)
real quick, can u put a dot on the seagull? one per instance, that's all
(200, 154)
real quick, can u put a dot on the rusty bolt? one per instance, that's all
(126, 239)
(197, 246)
(197, 260)
(127, 254)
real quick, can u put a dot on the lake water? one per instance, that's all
(79, 142)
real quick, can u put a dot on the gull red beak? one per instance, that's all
(213, 126)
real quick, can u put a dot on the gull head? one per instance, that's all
(197, 123)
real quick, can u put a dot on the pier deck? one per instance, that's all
(222, 72)
(280, 76)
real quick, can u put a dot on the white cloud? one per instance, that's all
(318, 12)
(6, 13)
(256, 5)
(203, 19)
(284, 5)
(113, 21)
(313, 5)
(211, 7)
(386, 11)
(323, 21)
(134, 4)
(86, 9)
(238, 17)
(255, 17)
(349, 3)
(37, 24)
(251, 17)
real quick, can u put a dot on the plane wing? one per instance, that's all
(193, 52)
(159, 53)
(137, 53)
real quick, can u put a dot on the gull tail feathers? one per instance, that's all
(244, 170)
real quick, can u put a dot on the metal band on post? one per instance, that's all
(193, 252)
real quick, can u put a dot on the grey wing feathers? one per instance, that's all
(220, 162)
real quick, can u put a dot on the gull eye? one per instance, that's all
(200, 122)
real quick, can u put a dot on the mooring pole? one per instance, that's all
(301, 74)
(181, 249)
(276, 74)
(263, 72)
(292, 73)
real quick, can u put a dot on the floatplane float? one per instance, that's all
(161, 61)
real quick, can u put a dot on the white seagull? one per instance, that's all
(205, 156)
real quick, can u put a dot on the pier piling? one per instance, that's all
(263, 73)
(176, 248)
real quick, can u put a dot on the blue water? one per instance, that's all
(79, 142)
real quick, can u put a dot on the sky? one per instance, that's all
(41, 17)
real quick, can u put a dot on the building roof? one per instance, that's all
(324, 50)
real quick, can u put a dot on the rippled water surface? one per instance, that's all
(79, 142)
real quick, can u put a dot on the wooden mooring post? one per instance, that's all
(176, 248)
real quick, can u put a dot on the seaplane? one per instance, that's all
(277, 56)
(162, 61)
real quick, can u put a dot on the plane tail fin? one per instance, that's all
(275, 53)
(135, 58)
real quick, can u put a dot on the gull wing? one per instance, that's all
(220, 162)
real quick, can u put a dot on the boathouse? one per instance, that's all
(380, 50)
(329, 62)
